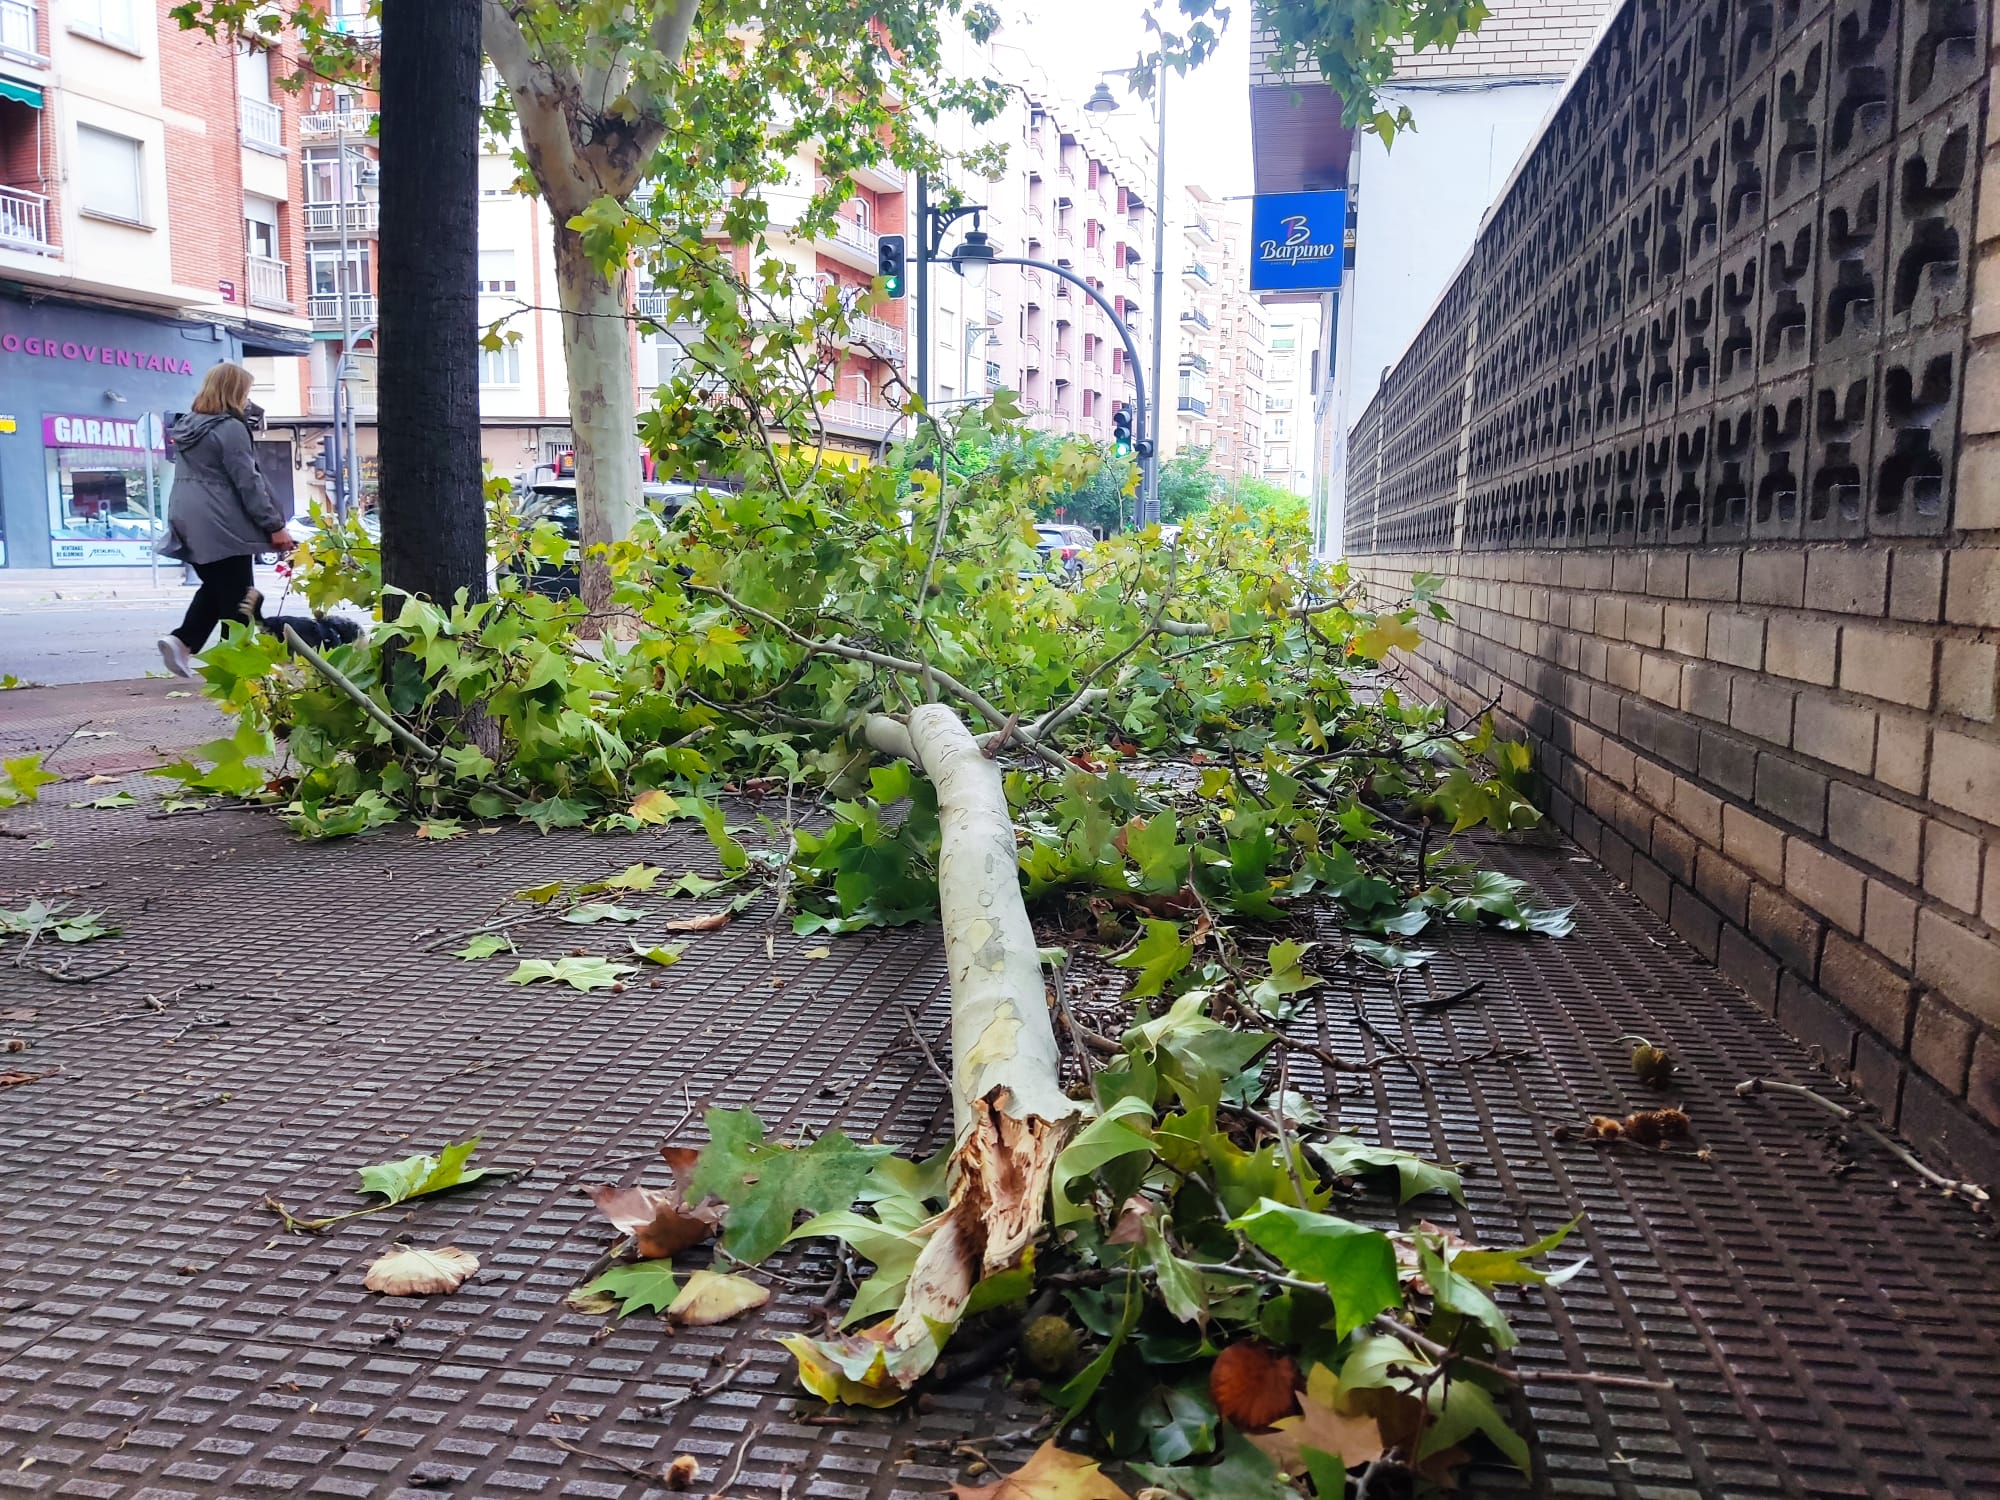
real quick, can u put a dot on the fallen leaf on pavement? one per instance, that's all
(8, 1080)
(655, 806)
(660, 1224)
(19, 1014)
(709, 923)
(716, 1297)
(420, 1273)
(1052, 1474)
(416, 1176)
(648, 1286)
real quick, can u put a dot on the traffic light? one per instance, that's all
(889, 266)
(1121, 432)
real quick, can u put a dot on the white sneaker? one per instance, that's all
(174, 652)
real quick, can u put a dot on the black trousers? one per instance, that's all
(224, 582)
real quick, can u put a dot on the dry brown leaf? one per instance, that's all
(19, 1013)
(715, 1297)
(408, 1272)
(709, 922)
(659, 1223)
(680, 1161)
(9, 1080)
(1353, 1438)
(1131, 1226)
(1052, 1474)
(1253, 1384)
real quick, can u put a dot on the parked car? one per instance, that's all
(554, 499)
(1064, 547)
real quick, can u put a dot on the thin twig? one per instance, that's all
(701, 1392)
(1438, 1352)
(923, 1046)
(611, 1460)
(1972, 1192)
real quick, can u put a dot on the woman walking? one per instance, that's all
(221, 512)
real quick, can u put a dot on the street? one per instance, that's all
(96, 624)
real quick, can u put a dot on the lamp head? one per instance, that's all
(973, 257)
(1101, 100)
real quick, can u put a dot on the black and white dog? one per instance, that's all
(317, 631)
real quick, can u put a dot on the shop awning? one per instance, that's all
(21, 93)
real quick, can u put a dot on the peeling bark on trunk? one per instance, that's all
(603, 412)
(1011, 1114)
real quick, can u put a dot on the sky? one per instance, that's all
(1208, 111)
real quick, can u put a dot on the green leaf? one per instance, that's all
(557, 812)
(1287, 977)
(541, 895)
(766, 1185)
(1495, 1267)
(1076, 1393)
(1347, 1156)
(1462, 1408)
(1178, 1283)
(1453, 1293)
(22, 779)
(1162, 862)
(418, 1176)
(117, 799)
(601, 911)
(1244, 1472)
(1356, 1264)
(640, 877)
(440, 828)
(664, 954)
(485, 945)
(648, 1286)
(588, 973)
(1158, 956)
(1124, 1128)
(1389, 956)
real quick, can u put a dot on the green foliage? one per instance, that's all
(578, 972)
(767, 1184)
(643, 1286)
(22, 779)
(420, 1175)
(38, 921)
(1354, 43)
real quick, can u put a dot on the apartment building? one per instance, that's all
(150, 226)
(1219, 399)
(1291, 372)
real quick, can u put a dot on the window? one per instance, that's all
(500, 366)
(1280, 427)
(323, 175)
(113, 174)
(253, 72)
(327, 277)
(113, 21)
(496, 271)
(260, 226)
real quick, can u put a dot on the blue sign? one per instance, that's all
(1297, 241)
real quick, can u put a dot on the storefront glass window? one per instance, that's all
(106, 491)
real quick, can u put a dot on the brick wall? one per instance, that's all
(1706, 442)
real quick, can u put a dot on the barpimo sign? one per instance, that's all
(1297, 241)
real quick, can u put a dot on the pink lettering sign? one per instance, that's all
(93, 432)
(95, 354)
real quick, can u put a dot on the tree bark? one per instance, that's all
(432, 500)
(603, 409)
(1011, 1114)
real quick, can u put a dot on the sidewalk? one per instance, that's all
(1826, 1328)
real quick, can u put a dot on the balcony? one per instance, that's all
(1194, 404)
(333, 219)
(360, 400)
(325, 310)
(858, 416)
(1032, 212)
(1192, 361)
(996, 307)
(1197, 317)
(1200, 226)
(268, 283)
(337, 124)
(18, 36)
(1031, 353)
(24, 222)
(884, 338)
(1093, 374)
(850, 242)
(1194, 270)
(262, 124)
(1061, 365)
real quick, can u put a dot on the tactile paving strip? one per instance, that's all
(160, 1340)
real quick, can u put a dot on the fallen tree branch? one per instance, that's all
(1972, 1192)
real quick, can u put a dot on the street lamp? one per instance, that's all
(974, 254)
(1103, 102)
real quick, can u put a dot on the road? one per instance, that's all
(95, 625)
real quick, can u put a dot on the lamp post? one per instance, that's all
(1101, 102)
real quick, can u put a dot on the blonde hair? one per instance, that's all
(225, 388)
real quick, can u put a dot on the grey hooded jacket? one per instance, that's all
(221, 505)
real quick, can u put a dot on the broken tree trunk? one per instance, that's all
(1011, 1114)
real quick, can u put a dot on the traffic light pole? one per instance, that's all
(923, 334)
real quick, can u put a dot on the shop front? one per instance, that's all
(85, 393)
